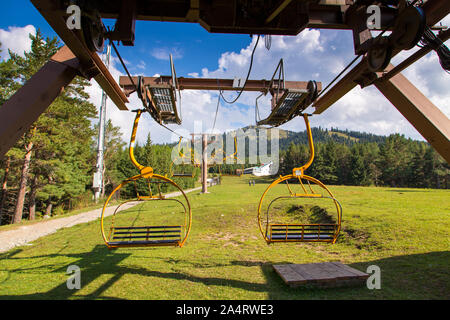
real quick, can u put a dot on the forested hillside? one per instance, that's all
(394, 162)
(356, 158)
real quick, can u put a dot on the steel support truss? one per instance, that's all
(429, 121)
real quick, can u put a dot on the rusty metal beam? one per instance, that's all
(125, 27)
(278, 10)
(435, 10)
(30, 101)
(431, 122)
(194, 11)
(209, 84)
(326, 14)
(90, 62)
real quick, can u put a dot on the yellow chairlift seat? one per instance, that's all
(155, 235)
(300, 232)
(183, 175)
(171, 234)
(224, 160)
(296, 232)
(147, 235)
(182, 156)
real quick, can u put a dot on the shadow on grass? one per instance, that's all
(311, 214)
(418, 276)
(93, 264)
(408, 190)
(259, 180)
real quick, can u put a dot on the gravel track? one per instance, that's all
(23, 235)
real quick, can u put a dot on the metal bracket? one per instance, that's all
(125, 27)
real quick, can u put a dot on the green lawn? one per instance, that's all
(403, 231)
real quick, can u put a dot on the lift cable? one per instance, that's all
(135, 86)
(430, 40)
(248, 76)
(123, 64)
(338, 76)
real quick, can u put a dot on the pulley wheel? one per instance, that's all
(409, 28)
(93, 33)
(312, 90)
(141, 88)
(379, 55)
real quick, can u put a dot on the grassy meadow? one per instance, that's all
(403, 231)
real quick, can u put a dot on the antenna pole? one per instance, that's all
(97, 184)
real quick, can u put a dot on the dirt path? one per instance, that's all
(25, 234)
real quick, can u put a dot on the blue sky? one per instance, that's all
(197, 47)
(312, 55)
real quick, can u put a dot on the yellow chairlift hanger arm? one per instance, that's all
(235, 152)
(146, 171)
(298, 172)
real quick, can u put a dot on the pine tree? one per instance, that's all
(394, 159)
(358, 173)
(57, 149)
(329, 169)
(417, 174)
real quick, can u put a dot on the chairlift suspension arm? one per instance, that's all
(299, 171)
(133, 141)
(182, 156)
(235, 151)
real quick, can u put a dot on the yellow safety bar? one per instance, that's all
(235, 151)
(298, 173)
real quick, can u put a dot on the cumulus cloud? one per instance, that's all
(16, 39)
(312, 55)
(141, 65)
(321, 55)
(164, 53)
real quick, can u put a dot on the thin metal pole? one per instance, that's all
(204, 164)
(98, 175)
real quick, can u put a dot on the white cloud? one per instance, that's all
(164, 53)
(16, 39)
(313, 54)
(141, 65)
(325, 53)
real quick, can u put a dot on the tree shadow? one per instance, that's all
(311, 213)
(408, 190)
(92, 264)
(417, 276)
